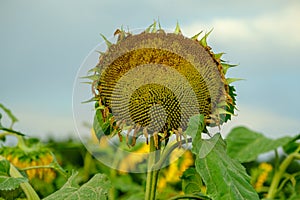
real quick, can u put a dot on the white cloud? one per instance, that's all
(279, 28)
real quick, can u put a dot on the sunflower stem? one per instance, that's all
(152, 174)
(279, 173)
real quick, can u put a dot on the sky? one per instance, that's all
(44, 43)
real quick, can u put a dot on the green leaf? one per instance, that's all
(98, 123)
(100, 126)
(245, 144)
(4, 167)
(295, 197)
(224, 177)
(7, 182)
(11, 183)
(231, 107)
(9, 113)
(195, 126)
(292, 145)
(96, 188)
(191, 181)
(12, 131)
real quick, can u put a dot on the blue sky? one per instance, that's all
(43, 44)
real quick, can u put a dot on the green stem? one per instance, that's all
(113, 173)
(36, 167)
(279, 173)
(26, 187)
(152, 174)
(168, 151)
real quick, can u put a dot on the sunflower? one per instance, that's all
(153, 82)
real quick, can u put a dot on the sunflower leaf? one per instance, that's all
(224, 177)
(11, 131)
(245, 144)
(191, 181)
(9, 114)
(195, 126)
(96, 188)
(6, 181)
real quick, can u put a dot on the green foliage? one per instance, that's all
(6, 181)
(246, 145)
(191, 181)
(94, 189)
(196, 126)
(9, 114)
(225, 177)
(218, 173)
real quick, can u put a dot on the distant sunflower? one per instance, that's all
(153, 82)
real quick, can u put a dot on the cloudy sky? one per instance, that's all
(44, 43)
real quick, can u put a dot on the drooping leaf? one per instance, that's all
(12, 131)
(98, 123)
(224, 177)
(4, 167)
(6, 181)
(9, 114)
(292, 145)
(245, 144)
(195, 126)
(95, 189)
(191, 181)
